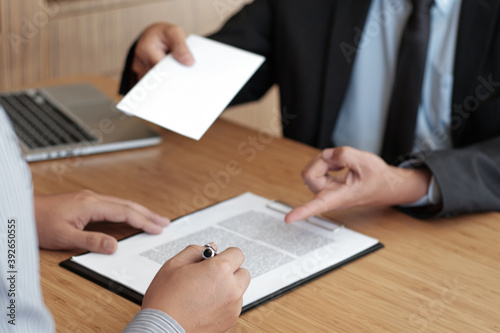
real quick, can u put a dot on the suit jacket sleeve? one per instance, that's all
(129, 78)
(251, 29)
(468, 178)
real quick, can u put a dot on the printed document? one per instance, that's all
(277, 255)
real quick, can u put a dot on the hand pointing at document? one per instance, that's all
(345, 177)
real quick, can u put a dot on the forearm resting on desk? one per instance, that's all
(61, 219)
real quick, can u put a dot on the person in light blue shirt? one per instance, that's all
(174, 294)
(335, 64)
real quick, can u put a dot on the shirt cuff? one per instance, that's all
(433, 195)
(431, 198)
(153, 321)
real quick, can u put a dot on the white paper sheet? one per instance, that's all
(277, 255)
(188, 99)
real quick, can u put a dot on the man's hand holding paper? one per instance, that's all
(155, 42)
(187, 99)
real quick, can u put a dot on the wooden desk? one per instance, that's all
(432, 276)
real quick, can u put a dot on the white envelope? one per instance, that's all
(188, 99)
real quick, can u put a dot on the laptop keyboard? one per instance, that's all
(38, 123)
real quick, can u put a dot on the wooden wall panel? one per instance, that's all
(3, 28)
(99, 40)
(24, 41)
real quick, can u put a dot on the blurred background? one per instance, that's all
(46, 39)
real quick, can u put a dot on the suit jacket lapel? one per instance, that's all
(347, 20)
(473, 42)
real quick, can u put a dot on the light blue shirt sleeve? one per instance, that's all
(433, 195)
(153, 321)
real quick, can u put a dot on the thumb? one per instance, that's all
(181, 52)
(93, 241)
(155, 56)
(175, 39)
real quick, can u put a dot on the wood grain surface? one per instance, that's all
(441, 275)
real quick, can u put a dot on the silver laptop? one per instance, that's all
(69, 120)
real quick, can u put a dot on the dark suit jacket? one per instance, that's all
(310, 47)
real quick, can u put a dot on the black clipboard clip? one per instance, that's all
(328, 224)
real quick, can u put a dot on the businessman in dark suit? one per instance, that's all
(336, 63)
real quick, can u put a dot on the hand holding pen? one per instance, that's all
(201, 295)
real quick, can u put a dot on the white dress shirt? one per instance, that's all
(21, 301)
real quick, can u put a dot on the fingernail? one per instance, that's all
(289, 219)
(187, 59)
(327, 153)
(109, 246)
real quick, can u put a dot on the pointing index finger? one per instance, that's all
(324, 201)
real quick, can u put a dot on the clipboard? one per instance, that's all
(318, 225)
